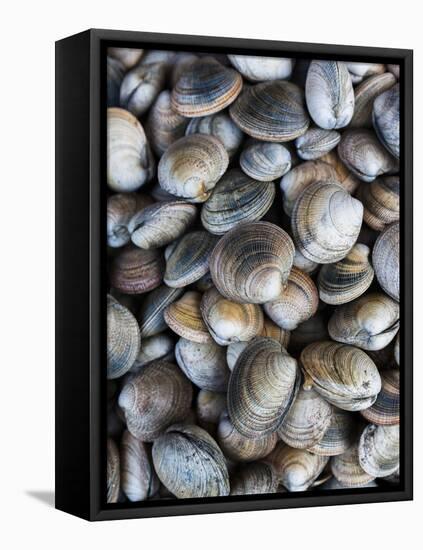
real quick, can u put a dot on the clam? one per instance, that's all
(343, 281)
(236, 199)
(188, 258)
(192, 166)
(334, 484)
(115, 72)
(364, 155)
(326, 222)
(360, 71)
(150, 316)
(258, 68)
(229, 322)
(347, 469)
(204, 364)
(397, 349)
(135, 271)
(261, 388)
(344, 176)
(233, 351)
(219, 125)
(385, 410)
(141, 86)
(120, 209)
(251, 262)
(209, 407)
(184, 318)
(164, 125)
(138, 478)
(205, 87)
(378, 450)
(304, 264)
(161, 223)
(339, 435)
(265, 161)
(190, 464)
(369, 322)
(159, 346)
(127, 56)
(329, 94)
(310, 331)
(158, 396)
(130, 163)
(386, 260)
(239, 448)
(386, 117)
(344, 375)
(297, 303)
(257, 478)
(316, 142)
(365, 94)
(113, 472)
(181, 63)
(381, 202)
(271, 111)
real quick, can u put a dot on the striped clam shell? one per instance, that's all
(378, 450)
(219, 125)
(385, 410)
(365, 94)
(141, 86)
(265, 161)
(127, 56)
(135, 271)
(150, 316)
(381, 201)
(113, 472)
(258, 68)
(339, 436)
(184, 317)
(180, 64)
(386, 119)
(347, 469)
(120, 209)
(344, 176)
(316, 142)
(256, 478)
(386, 260)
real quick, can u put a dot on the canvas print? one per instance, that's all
(253, 275)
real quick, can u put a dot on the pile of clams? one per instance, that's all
(253, 300)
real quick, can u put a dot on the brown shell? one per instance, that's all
(381, 202)
(385, 410)
(347, 470)
(339, 436)
(184, 317)
(135, 271)
(113, 472)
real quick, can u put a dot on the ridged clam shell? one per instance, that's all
(130, 162)
(204, 364)
(251, 262)
(304, 264)
(135, 271)
(316, 142)
(120, 209)
(329, 94)
(123, 339)
(344, 176)
(138, 478)
(344, 375)
(261, 388)
(181, 63)
(141, 86)
(150, 316)
(360, 71)
(190, 464)
(385, 410)
(365, 94)
(297, 303)
(386, 119)
(154, 348)
(155, 398)
(209, 407)
(113, 472)
(343, 281)
(256, 478)
(188, 259)
(347, 470)
(115, 72)
(386, 260)
(205, 87)
(265, 161)
(230, 322)
(161, 223)
(271, 111)
(381, 202)
(258, 68)
(219, 125)
(339, 436)
(127, 56)
(326, 222)
(369, 322)
(192, 166)
(378, 450)
(184, 318)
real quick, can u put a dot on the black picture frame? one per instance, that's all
(81, 281)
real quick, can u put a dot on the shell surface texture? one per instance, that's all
(386, 260)
(257, 69)
(265, 161)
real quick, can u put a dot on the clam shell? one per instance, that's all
(184, 318)
(304, 264)
(343, 281)
(271, 111)
(397, 349)
(360, 71)
(127, 56)
(316, 142)
(365, 94)
(256, 478)
(155, 398)
(205, 87)
(265, 161)
(181, 63)
(192, 166)
(326, 222)
(344, 375)
(141, 86)
(258, 68)
(261, 388)
(386, 119)
(190, 464)
(120, 209)
(209, 407)
(347, 470)
(329, 94)
(130, 163)
(135, 271)
(150, 316)
(219, 125)
(386, 409)
(386, 260)
(159, 346)
(115, 72)
(381, 202)
(378, 450)
(113, 472)
(344, 176)
(339, 436)
(251, 263)
(138, 478)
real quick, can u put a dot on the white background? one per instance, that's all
(27, 37)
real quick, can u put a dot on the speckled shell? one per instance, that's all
(221, 126)
(155, 398)
(386, 260)
(271, 111)
(385, 410)
(205, 87)
(381, 202)
(378, 450)
(127, 56)
(159, 346)
(386, 119)
(339, 436)
(120, 209)
(192, 166)
(265, 161)
(344, 375)
(261, 388)
(141, 86)
(316, 142)
(256, 478)
(329, 94)
(343, 281)
(347, 470)
(187, 260)
(138, 478)
(115, 72)
(297, 303)
(150, 316)
(326, 222)
(229, 322)
(135, 271)
(251, 262)
(184, 318)
(190, 464)
(130, 163)
(369, 322)
(209, 407)
(364, 155)
(365, 94)
(204, 364)
(161, 223)
(123, 339)
(113, 472)
(258, 68)
(360, 71)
